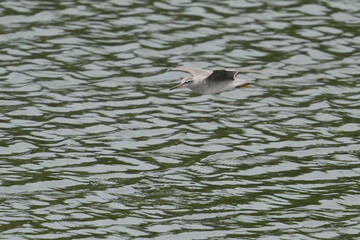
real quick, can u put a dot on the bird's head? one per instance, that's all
(186, 82)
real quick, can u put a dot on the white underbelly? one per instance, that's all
(217, 88)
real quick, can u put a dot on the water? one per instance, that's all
(93, 145)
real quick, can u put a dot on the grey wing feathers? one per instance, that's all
(222, 75)
(242, 70)
(226, 74)
(192, 71)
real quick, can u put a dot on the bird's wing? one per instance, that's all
(242, 70)
(192, 71)
(222, 75)
(226, 74)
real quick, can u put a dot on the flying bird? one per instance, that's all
(209, 82)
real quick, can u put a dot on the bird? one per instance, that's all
(212, 81)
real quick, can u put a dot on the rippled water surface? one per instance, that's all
(93, 145)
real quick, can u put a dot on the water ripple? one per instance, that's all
(94, 145)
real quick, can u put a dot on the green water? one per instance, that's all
(93, 145)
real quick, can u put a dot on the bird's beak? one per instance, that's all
(177, 86)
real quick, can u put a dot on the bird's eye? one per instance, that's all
(189, 80)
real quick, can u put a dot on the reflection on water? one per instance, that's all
(93, 145)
